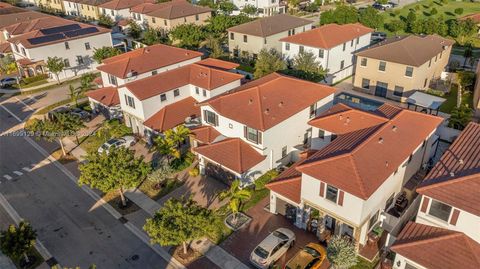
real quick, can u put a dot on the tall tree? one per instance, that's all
(463, 31)
(226, 7)
(104, 52)
(134, 29)
(106, 21)
(236, 196)
(117, 170)
(249, 10)
(342, 14)
(410, 21)
(218, 24)
(370, 17)
(7, 65)
(58, 127)
(306, 67)
(215, 46)
(169, 143)
(15, 242)
(189, 35)
(341, 252)
(152, 36)
(178, 222)
(268, 61)
(395, 26)
(73, 93)
(55, 65)
(460, 117)
(206, 3)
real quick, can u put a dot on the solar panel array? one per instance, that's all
(61, 32)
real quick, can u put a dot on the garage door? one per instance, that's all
(217, 172)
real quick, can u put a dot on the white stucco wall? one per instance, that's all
(71, 8)
(400, 262)
(116, 15)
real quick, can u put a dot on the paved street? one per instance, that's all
(74, 231)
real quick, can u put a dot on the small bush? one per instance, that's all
(433, 11)
(184, 162)
(194, 172)
(35, 78)
(458, 11)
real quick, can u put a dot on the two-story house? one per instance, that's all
(72, 7)
(263, 125)
(346, 183)
(89, 9)
(73, 42)
(120, 9)
(53, 5)
(265, 8)
(332, 45)
(168, 99)
(398, 66)
(137, 13)
(446, 232)
(250, 38)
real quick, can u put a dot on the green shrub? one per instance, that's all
(458, 11)
(34, 78)
(194, 172)
(433, 11)
(264, 179)
(183, 162)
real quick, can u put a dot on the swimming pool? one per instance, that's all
(357, 101)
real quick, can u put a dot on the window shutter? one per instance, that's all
(322, 189)
(455, 215)
(425, 204)
(259, 137)
(245, 131)
(340, 198)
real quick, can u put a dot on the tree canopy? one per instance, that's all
(15, 242)
(236, 196)
(268, 61)
(106, 21)
(104, 52)
(371, 17)
(55, 65)
(219, 24)
(341, 252)
(189, 35)
(306, 67)
(342, 14)
(134, 29)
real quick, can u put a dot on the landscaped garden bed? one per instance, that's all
(155, 192)
(113, 199)
(236, 221)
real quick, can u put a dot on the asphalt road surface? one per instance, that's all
(74, 231)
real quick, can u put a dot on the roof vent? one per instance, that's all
(347, 120)
(341, 117)
(250, 101)
(380, 140)
(281, 104)
(460, 161)
(394, 128)
(267, 111)
(386, 163)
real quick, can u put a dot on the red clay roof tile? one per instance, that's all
(205, 134)
(107, 96)
(173, 115)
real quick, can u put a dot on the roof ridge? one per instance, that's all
(260, 106)
(474, 251)
(447, 182)
(240, 154)
(450, 235)
(284, 180)
(355, 169)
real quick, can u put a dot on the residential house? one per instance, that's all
(250, 38)
(163, 101)
(15, 16)
(446, 232)
(263, 125)
(120, 9)
(137, 13)
(168, 15)
(72, 7)
(265, 8)
(53, 5)
(72, 41)
(90, 10)
(106, 101)
(358, 165)
(332, 45)
(398, 66)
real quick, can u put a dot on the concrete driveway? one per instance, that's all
(242, 242)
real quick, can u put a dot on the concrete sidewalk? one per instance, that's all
(143, 201)
(5, 262)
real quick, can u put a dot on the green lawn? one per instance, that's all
(364, 264)
(91, 143)
(451, 99)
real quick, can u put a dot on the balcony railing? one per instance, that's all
(393, 221)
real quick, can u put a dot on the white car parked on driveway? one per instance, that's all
(272, 248)
(126, 141)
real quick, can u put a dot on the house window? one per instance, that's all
(252, 135)
(284, 152)
(197, 91)
(176, 92)
(79, 60)
(112, 79)
(366, 83)
(425, 83)
(196, 17)
(398, 91)
(245, 38)
(236, 53)
(342, 64)
(130, 101)
(344, 46)
(351, 43)
(185, 19)
(439, 210)
(66, 63)
(430, 63)
(15, 47)
(232, 36)
(210, 117)
(153, 20)
(287, 46)
(87, 46)
(363, 62)
(163, 97)
(358, 40)
(320, 53)
(409, 71)
(154, 72)
(321, 134)
(23, 51)
(441, 53)
(67, 46)
(165, 22)
(313, 109)
(301, 49)
(265, 41)
(293, 30)
(332, 193)
(436, 56)
(204, 92)
(373, 220)
(112, 12)
(382, 66)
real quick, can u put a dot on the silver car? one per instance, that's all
(272, 248)
(126, 141)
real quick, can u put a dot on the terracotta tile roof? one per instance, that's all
(265, 102)
(93, 2)
(107, 96)
(387, 110)
(36, 24)
(360, 161)
(409, 50)
(329, 35)
(6, 8)
(177, 9)
(145, 8)
(233, 153)
(198, 75)
(268, 26)
(341, 119)
(14, 18)
(146, 59)
(5, 48)
(123, 4)
(434, 247)
(455, 179)
(205, 134)
(173, 115)
(216, 63)
(475, 17)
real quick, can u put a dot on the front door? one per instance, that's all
(381, 89)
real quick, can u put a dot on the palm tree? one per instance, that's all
(73, 94)
(179, 135)
(166, 147)
(236, 195)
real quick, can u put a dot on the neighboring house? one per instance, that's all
(421, 246)
(359, 164)
(265, 8)
(168, 15)
(451, 191)
(263, 125)
(72, 7)
(332, 45)
(89, 9)
(398, 66)
(74, 43)
(54, 5)
(250, 38)
(168, 99)
(137, 13)
(106, 101)
(144, 62)
(15, 16)
(120, 9)
(476, 93)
